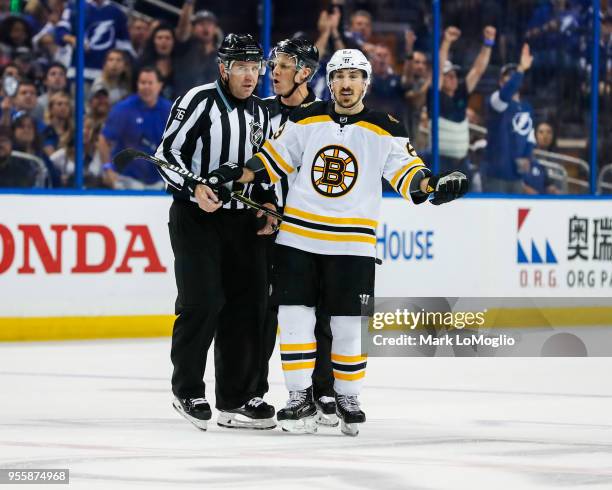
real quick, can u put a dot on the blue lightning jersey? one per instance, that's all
(510, 133)
(105, 28)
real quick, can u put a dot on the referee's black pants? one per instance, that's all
(220, 268)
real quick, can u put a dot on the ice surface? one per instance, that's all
(102, 409)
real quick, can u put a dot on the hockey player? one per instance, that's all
(293, 63)
(326, 246)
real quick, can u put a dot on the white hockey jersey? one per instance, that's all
(333, 204)
(279, 114)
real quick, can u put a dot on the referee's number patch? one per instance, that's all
(334, 171)
(180, 114)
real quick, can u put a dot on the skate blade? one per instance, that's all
(200, 424)
(327, 420)
(349, 429)
(238, 421)
(306, 425)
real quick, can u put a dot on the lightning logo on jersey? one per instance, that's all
(334, 171)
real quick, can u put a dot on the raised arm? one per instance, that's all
(183, 28)
(482, 60)
(324, 33)
(451, 34)
(500, 98)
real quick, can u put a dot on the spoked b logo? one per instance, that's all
(334, 171)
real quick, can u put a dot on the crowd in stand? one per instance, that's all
(520, 69)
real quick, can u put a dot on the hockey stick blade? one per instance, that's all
(124, 157)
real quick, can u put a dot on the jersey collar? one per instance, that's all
(343, 119)
(286, 109)
(230, 102)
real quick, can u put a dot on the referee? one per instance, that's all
(219, 259)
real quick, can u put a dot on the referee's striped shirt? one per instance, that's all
(279, 113)
(208, 127)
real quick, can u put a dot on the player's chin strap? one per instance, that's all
(292, 91)
(295, 84)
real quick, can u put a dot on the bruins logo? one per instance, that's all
(334, 171)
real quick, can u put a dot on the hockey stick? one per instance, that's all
(126, 156)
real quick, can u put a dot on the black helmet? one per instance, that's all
(240, 47)
(304, 52)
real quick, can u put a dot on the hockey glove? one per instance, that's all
(447, 187)
(220, 179)
(228, 172)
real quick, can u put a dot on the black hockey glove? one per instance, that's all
(228, 172)
(447, 186)
(225, 174)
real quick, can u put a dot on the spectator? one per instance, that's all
(26, 137)
(553, 33)
(416, 80)
(28, 64)
(99, 106)
(198, 39)
(139, 30)
(454, 131)
(63, 158)
(16, 171)
(36, 13)
(545, 137)
(510, 136)
(8, 87)
(44, 41)
(55, 81)
(360, 32)
(328, 42)
(116, 76)
(24, 102)
(11, 70)
(537, 180)
(106, 29)
(386, 91)
(59, 118)
(137, 122)
(160, 53)
(15, 34)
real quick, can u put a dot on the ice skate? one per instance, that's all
(196, 410)
(300, 414)
(326, 411)
(254, 414)
(347, 409)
